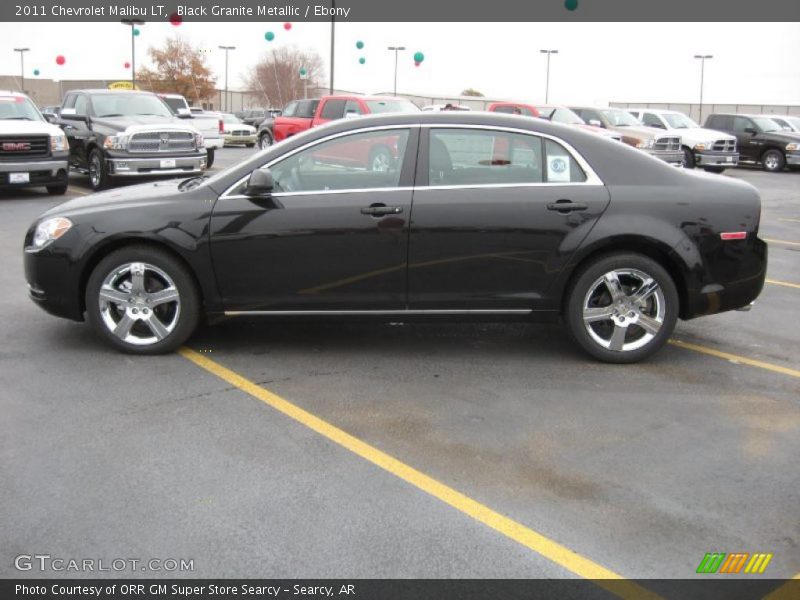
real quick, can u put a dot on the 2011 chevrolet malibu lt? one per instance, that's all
(469, 216)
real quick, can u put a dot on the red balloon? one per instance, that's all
(175, 19)
(60, 60)
(127, 65)
(287, 26)
(417, 63)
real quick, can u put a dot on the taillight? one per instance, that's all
(221, 128)
(733, 235)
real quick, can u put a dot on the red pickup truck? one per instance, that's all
(511, 108)
(339, 107)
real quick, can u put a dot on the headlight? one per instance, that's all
(116, 142)
(58, 143)
(793, 147)
(704, 146)
(645, 143)
(198, 140)
(50, 230)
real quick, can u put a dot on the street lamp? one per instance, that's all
(333, 40)
(22, 52)
(226, 48)
(702, 58)
(133, 23)
(547, 81)
(396, 49)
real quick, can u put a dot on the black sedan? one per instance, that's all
(466, 216)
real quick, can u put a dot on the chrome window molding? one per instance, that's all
(592, 179)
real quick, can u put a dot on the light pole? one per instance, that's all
(702, 58)
(226, 48)
(547, 81)
(333, 39)
(396, 50)
(22, 52)
(133, 23)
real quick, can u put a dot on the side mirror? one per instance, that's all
(260, 183)
(50, 117)
(70, 115)
(751, 130)
(595, 122)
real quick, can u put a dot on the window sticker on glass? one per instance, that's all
(558, 168)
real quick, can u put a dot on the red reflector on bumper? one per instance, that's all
(733, 235)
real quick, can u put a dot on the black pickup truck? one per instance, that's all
(115, 133)
(760, 140)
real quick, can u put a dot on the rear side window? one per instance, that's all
(333, 109)
(484, 157)
(560, 166)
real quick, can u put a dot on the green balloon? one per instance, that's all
(303, 72)
(269, 36)
(359, 44)
(36, 72)
(419, 57)
(136, 31)
(362, 60)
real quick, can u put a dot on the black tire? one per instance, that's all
(715, 169)
(773, 161)
(250, 145)
(688, 158)
(60, 188)
(588, 282)
(210, 152)
(380, 159)
(178, 318)
(265, 140)
(99, 178)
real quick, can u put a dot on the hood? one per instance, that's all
(15, 127)
(702, 133)
(143, 123)
(786, 136)
(124, 197)
(642, 132)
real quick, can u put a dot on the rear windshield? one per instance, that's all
(19, 108)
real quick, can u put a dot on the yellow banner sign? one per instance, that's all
(122, 85)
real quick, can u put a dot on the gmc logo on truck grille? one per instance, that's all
(16, 146)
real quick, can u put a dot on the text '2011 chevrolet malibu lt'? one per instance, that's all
(469, 216)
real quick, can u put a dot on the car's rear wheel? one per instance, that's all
(142, 300)
(773, 160)
(98, 170)
(622, 307)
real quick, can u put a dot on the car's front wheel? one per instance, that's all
(210, 153)
(773, 161)
(99, 177)
(688, 159)
(264, 140)
(622, 307)
(142, 300)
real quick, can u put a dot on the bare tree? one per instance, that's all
(276, 77)
(472, 92)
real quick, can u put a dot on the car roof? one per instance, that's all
(105, 91)
(730, 114)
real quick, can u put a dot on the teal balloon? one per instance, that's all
(359, 44)
(269, 36)
(362, 60)
(571, 4)
(419, 57)
(303, 72)
(136, 31)
(36, 72)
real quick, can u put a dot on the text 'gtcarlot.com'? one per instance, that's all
(46, 562)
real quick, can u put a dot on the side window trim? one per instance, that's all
(421, 182)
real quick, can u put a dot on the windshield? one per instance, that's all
(679, 121)
(619, 118)
(565, 115)
(231, 119)
(794, 121)
(19, 108)
(377, 107)
(123, 105)
(766, 125)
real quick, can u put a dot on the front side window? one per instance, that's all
(80, 105)
(368, 160)
(333, 109)
(377, 107)
(652, 120)
(353, 107)
(289, 109)
(620, 118)
(306, 108)
(484, 157)
(741, 124)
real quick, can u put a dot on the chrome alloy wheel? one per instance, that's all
(624, 310)
(95, 168)
(139, 303)
(772, 161)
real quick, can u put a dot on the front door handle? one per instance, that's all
(379, 210)
(566, 206)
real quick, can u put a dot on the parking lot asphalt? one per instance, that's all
(397, 450)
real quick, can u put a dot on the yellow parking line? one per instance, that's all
(550, 549)
(784, 283)
(788, 591)
(736, 358)
(82, 193)
(772, 241)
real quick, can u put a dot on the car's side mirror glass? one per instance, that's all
(260, 183)
(50, 118)
(595, 122)
(71, 115)
(751, 130)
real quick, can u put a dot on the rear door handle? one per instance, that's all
(565, 206)
(377, 210)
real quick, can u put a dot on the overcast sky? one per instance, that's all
(597, 62)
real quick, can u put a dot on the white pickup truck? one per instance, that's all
(209, 124)
(707, 148)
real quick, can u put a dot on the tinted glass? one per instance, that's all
(377, 107)
(565, 115)
(483, 157)
(333, 109)
(367, 160)
(290, 109)
(742, 123)
(353, 107)
(80, 105)
(18, 108)
(106, 105)
(652, 120)
(306, 108)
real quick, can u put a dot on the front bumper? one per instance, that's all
(673, 157)
(40, 172)
(241, 139)
(707, 158)
(213, 143)
(52, 281)
(793, 158)
(130, 166)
